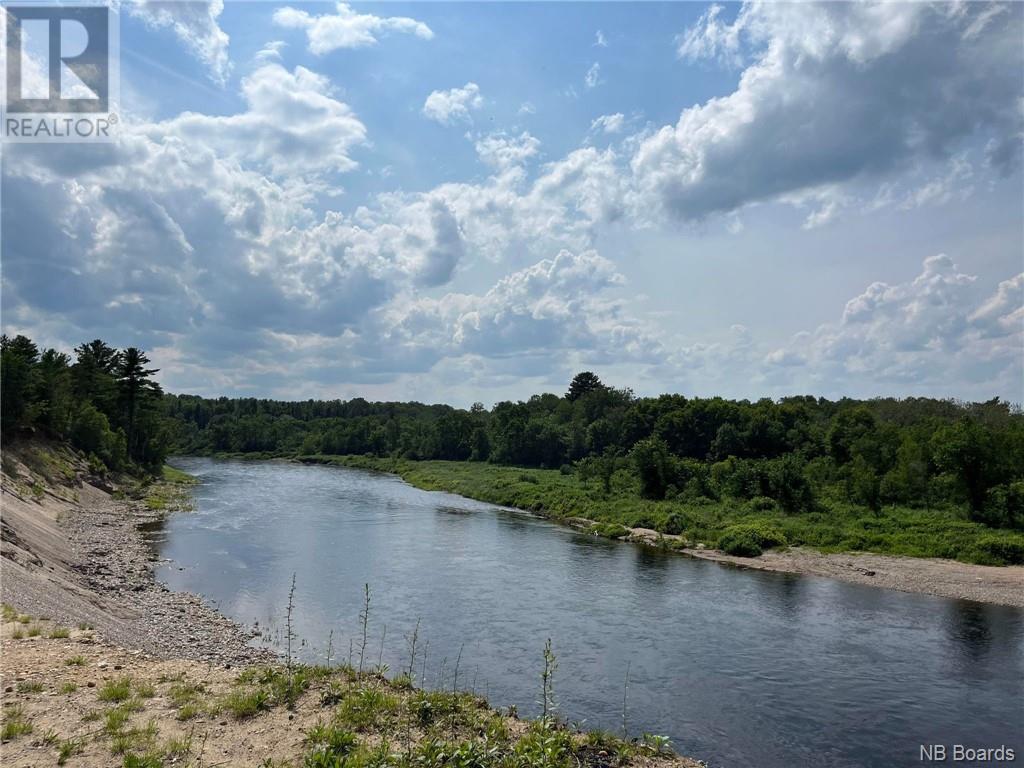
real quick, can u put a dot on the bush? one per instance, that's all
(1004, 506)
(999, 550)
(762, 504)
(675, 524)
(750, 539)
(609, 530)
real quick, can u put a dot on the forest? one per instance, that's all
(796, 455)
(105, 402)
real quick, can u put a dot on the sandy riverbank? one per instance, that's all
(930, 576)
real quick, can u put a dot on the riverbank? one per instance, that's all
(73, 551)
(101, 666)
(72, 700)
(549, 494)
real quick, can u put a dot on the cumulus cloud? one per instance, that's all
(454, 105)
(346, 28)
(916, 336)
(293, 125)
(834, 92)
(609, 123)
(195, 24)
(501, 151)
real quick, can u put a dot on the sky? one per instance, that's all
(459, 202)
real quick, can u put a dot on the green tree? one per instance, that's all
(136, 388)
(965, 450)
(583, 383)
(18, 357)
(654, 467)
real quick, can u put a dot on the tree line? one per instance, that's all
(799, 454)
(796, 452)
(105, 402)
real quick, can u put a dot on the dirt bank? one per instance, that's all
(930, 576)
(74, 700)
(73, 552)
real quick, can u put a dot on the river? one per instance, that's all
(737, 667)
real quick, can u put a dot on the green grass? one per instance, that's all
(116, 690)
(75, 661)
(171, 475)
(34, 630)
(68, 749)
(60, 633)
(247, 703)
(68, 688)
(834, 526)
(27, 686)
(15, 723)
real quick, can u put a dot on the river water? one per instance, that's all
(737, 667)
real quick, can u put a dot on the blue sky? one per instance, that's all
(461, 201)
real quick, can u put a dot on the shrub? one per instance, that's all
(750, 539)
(609, 530)
(762, 504)
(675, 524)
(999, 550)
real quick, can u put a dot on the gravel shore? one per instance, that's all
(1002, 585)
(77, 555)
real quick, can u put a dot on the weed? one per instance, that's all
(116, 690)
(115, 720)
(15, 723)
(75, 661)
(60, 633)
(68, 688)
(145, 690)
(68, 749)
(243, 704)
(364, 618)
(18, 634)
(656, 745)
(34, 631)
(177, 749)
(547, 683)
(367, 708)
(29, 686)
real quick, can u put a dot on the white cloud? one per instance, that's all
(453, 105)
(835, 93)
(916, 336)
(195, 24)
(293, 125)
(593, 77)
(600, 41)
(270, 51)
(711, 38)
(609, 123)
(346, 28)
(501, 151)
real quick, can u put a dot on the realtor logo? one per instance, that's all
(61, 74)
